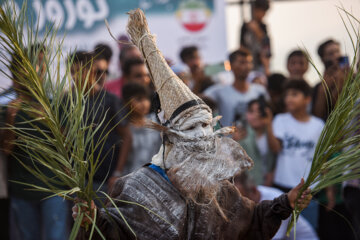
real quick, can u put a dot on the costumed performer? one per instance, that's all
(187, 191)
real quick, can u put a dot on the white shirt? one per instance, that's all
(6, 98)
(299, 140)
(224, 78)
(304, 231)
(227, 77)
(262, 144)
(232, 103)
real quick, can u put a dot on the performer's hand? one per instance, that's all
(305, 198)
(84, 209)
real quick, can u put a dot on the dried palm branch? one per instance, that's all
(337, 153)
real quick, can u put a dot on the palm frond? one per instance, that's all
(64, 144)
(337, 153)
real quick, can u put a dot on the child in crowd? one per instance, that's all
(295, 135)
(198, 81)
(255, 37)
(276, 83)
(145, 142)
(255, 143)
(297, 64)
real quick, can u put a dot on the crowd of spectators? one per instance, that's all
(278, 119)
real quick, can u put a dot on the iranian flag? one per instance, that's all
(193, 15)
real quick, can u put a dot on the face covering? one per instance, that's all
(197, 159)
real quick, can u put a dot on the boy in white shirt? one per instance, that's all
(294, 136)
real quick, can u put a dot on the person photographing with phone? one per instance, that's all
(336, 66)
(253, 137)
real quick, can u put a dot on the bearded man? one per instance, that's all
(186, 192)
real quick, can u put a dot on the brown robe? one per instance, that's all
(164, 214)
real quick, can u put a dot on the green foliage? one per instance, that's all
(51, 98)
(337, 152)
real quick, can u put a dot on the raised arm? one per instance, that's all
(273, 142)
(267, 215)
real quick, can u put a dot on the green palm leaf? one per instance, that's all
(66, 138)
(337, 152)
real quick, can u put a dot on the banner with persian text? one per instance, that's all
(176, 23)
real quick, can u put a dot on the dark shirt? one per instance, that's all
(107, 108)
(255, 46)
(20, 156)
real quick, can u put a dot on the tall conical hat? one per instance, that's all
(175, 97)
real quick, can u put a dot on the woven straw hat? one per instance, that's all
(176, 98)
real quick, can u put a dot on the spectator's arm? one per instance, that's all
(273, 142)
(334, 78)
(265, 60)
(7, 136)
(320, 103)
(125, 134)
(125, 147)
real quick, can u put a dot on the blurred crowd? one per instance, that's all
(278, 119)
